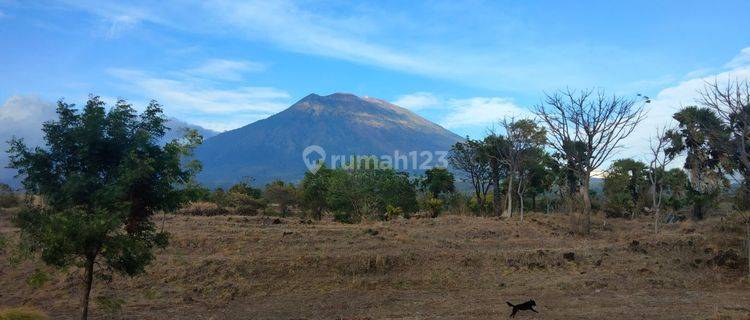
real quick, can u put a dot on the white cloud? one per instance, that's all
(370, 35)
(463, 113)
(669, 100)
(742, 59)
(230, 70)
(21, 117)
(417, 101)
(481, 111)
(197, 99)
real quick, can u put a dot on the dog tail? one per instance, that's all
(510, 304)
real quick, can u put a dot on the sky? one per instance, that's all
(462, 64)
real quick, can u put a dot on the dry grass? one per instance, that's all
(22, 314)
(452, 267)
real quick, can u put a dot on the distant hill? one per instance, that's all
(341, 124)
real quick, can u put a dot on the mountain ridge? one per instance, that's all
(340, 123)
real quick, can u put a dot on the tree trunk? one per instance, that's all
(747, 245)
(586, 205)
(88, 279)
(520, 203)
(533, 202)
(496, 197)
(655, 207)
(698, 211)
(509, 209)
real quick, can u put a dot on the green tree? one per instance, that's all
(700, 135)
(101, 175)
(283, 194)
(245, 187)
(471, 157)
(522, 139)
(313, 191)
(439, 181)
(625, 187)
(367, 190)
(493, 144)
(675, 188)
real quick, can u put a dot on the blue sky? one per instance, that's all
(464, 65)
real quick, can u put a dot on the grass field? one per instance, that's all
(452, 267)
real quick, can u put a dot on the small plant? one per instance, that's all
(343, 217)
(38, 279)
(392, 212)
(434, 206)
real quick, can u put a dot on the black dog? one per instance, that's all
(528, 305)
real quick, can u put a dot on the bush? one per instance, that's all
(246, 210)
(7, 198)
(434, 206)
(23, 313)
(343, 217)
(202, 208)
(392, 212)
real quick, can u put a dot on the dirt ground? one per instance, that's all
(452, 267)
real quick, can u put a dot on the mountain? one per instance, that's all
(177, 129)
(341, 124)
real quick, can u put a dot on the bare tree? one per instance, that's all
(597, 120)
(657, 164)
(731, 102)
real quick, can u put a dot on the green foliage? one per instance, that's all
(194, 192)
(625, 188)
(676, 186)
(282, 194)
(313, 191)
(245, 188)
(102, 174)
(434, 206)
(392, 212)
(701, 136)
(439, 182)
(343, 217)
(367, 191)
(38, 279)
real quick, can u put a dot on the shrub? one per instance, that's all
(23, 313)
(38, 279)
(245, 210)
(202, 208)
(7, 198)
(343, 217)
(434, 206)
(392, 212)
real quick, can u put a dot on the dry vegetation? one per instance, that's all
(452, 267)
